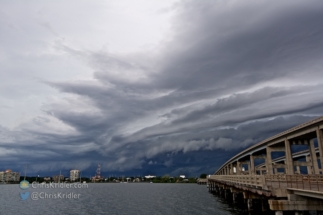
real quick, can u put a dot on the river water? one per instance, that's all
(114, 198)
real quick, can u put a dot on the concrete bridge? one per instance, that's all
(275, 174)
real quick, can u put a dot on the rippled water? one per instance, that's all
(117, 198)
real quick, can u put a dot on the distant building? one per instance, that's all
(58, 178)
(96, 178)
(182, 176)
(47, 179)
(9, 176)
(150, 176)
(74, 175)
(136, 180)
(1, 176)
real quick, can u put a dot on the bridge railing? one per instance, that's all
(304, 182)
(248, 180)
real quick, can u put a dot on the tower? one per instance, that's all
(98, 171)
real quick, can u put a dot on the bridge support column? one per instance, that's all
(221, 192)
(218, 190)
(235, 197)
(238, 169)
(298, 170)
(278, 212)
(289, 158)
(269, 163)
(228, 195)
(264, 205)
(315, 169)
(230, 169)
(319, 136)
(250, 205)
(275, 171)
(252, 165)
(309, 168)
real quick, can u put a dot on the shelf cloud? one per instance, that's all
(224, 75)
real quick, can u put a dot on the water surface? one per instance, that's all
(117, 198)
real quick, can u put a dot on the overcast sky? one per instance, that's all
(153, 87)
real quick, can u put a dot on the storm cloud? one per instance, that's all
(225, 76)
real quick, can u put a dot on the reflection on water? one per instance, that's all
(111, 198)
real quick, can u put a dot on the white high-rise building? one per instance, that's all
(74, 175)
(9, 176)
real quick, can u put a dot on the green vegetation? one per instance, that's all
(168, 179)
(203, 175)
(158, 179)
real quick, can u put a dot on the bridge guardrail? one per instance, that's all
(305, 182)
(249, 180)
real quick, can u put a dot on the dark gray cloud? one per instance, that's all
(231, 75)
